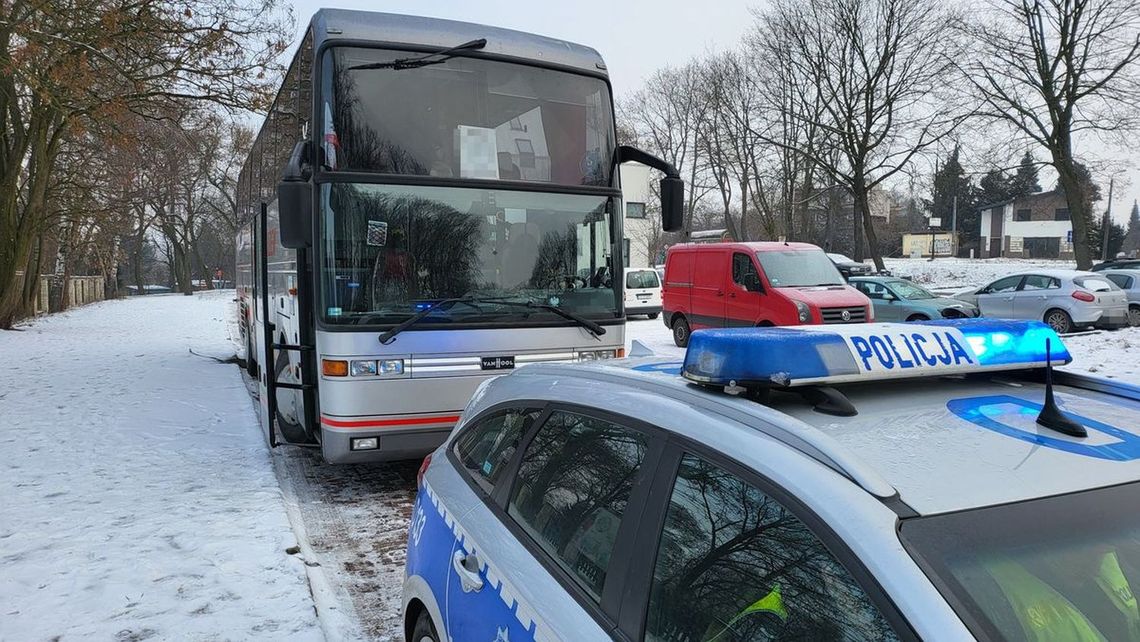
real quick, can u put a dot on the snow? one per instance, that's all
(948, 275)
(139, 499)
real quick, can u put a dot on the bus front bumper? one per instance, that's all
(349, 440)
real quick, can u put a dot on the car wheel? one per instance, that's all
(424, 631)
(1059, 320)
(918, 317)
(681, 332)
(1134, 316)
(652, 315)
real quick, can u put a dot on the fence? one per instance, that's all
(81, 290)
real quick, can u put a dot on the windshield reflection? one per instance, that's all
(393, 251)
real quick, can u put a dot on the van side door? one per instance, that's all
(711, 275)
(745, 292)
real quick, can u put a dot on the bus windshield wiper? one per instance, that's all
(593, 328)
(433, 58)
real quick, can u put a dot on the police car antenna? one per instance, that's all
(1051, 415)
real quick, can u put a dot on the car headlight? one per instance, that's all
(805, 312)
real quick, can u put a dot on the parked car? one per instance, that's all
(565, 507)
(1129, 281)
(1117, 264)
(1065, 299)
(642, 293)
(712, 285)
(897, 299)
(848, 267)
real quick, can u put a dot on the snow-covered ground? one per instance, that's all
(138, 499)
(956, 274)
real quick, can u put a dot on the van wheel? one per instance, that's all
(1059, 320)
(294, 433)
(681, 332)
(653, 315)
(1134, 315)
(424, 630)
(918, 317)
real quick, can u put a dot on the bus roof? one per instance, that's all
(419, 32)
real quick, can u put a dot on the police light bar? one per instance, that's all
(825, 355)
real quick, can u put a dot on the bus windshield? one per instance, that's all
(465, 118)
(1059, 568)
(390, 251)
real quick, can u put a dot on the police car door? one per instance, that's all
(543, 555)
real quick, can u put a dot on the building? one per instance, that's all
(1037, 226)
(641, 231)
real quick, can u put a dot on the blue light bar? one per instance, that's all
(824, 355)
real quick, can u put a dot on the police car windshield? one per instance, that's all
(1060, 568)
(798, 268)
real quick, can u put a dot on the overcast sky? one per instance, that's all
(635, 37)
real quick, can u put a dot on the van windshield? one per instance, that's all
(798, 268)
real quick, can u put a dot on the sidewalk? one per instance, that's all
(137, 499)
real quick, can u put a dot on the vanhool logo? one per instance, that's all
(498, 363)
(911, 350)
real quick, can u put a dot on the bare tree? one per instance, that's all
(70, 66)
(1054, 69)
(879, 67)
(665, 116)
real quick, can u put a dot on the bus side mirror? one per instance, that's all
(672, 187)
(295, 201)
(672, 204)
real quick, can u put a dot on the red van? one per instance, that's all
(717, 285)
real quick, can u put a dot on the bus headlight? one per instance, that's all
(391, 366)
(593, 355)
(363, 368)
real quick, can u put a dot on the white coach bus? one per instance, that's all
(429, 203)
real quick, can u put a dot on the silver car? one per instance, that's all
(1065, 299)
(1129, 281)
(619, 501)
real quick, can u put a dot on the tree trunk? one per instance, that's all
(863, 219)
(1076, 199)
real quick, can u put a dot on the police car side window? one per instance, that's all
(733, 565)
(571, 491)
(486, 448)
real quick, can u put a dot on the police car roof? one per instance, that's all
(922, 438)
(417, 31)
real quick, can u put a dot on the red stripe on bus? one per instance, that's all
(382, 423)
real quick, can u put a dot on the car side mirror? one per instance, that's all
(295, 200)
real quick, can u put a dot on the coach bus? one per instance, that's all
(430, 203)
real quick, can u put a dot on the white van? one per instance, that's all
(642, 292)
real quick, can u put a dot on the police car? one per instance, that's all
(871, 482)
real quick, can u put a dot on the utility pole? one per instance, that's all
(954, 228)
(1107, 224)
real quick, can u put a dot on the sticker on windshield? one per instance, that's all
(1014, 417)
(377, 233)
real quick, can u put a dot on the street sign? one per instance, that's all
(935, 221)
